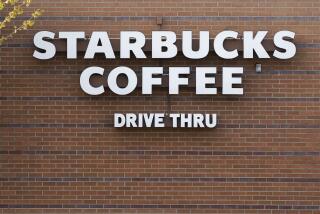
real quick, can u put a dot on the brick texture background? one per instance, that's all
(59, 152)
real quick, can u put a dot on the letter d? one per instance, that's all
(119, 120)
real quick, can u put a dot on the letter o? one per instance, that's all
(132, 80)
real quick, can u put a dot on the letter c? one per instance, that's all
(85, 81)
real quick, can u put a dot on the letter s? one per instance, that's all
(48, 47)
(289, 47)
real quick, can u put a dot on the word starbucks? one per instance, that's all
(163, 44)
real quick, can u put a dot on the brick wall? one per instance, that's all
(59, 152)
